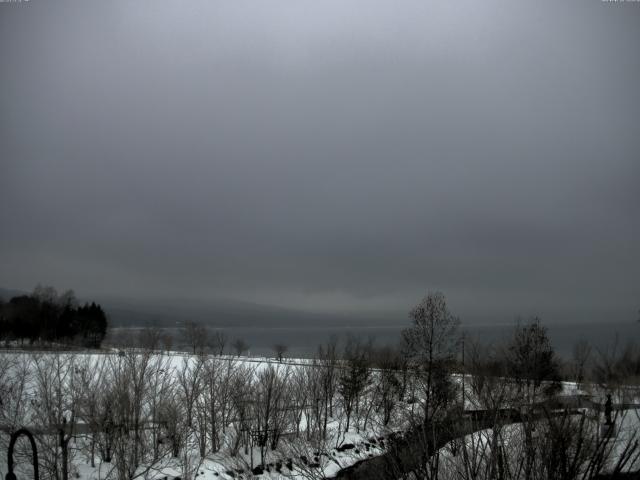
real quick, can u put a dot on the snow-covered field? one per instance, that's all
(42, 390)
(204, 416)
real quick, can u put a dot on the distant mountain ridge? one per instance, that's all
(124, 312)
(221, 313)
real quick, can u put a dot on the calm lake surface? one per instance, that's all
(303, 341)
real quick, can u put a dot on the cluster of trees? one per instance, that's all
(139, 411)
(509, 421)
(525, 430)
(45, 316)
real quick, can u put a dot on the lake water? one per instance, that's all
(303, 341)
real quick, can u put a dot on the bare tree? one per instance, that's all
(354, 378)
(268, 413)
(15, 380)
(215, 404)
(91, 381)
(299, 397)
(280, 349)
(150, 338)
(218, 342)
(56, 408)
(195, 336)
(189, 385)
(388, 384)
(491, 393)
(166, 341)
(240, 346)
(532, 361)
(581, 355)
(316, 405)
(431, 346)
(138, 385)
(243, 400)
(328, 370)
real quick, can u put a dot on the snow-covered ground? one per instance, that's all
(296, 456)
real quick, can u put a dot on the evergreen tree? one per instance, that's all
(46, 316)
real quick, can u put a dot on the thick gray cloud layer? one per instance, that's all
(330, 155)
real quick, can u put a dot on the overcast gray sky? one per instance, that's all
(331, 155)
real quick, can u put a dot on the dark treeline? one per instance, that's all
(45, 316)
